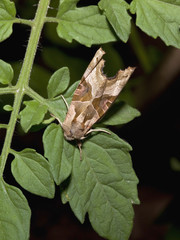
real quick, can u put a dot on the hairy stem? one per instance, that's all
(8, 90)
(23, 81)
(23, 21)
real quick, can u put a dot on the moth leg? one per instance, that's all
(65, 101)
(80, 150)
(97, 130)
(56, 119)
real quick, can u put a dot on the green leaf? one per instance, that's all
(7, 15)
(32, 114)
(120, 113)
(86, 25)
(104, 185)
(32, 171)
(66, 5)
(58, 151)
(14, 213)
(70, 91)
(117, 15)
(8, 108)
(58, 82)
(58, 108)
(6, 72)
(58, 104)
(159, 18)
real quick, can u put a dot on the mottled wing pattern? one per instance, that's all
(81, 111)
(113, 88)
(93, 97)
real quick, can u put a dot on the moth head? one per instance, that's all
(73, 132)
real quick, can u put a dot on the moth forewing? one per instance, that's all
(114, 86)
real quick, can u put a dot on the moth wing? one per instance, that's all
(111, 91)
(81, 109)
(89, 85)
(113, 88)
(89, 89)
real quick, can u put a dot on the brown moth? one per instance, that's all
(92, 98)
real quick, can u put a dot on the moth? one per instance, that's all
(92, 98)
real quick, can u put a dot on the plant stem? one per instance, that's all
(3, 125)
(52, 19)
(8, 90)
(23, 81)
(34, 95)
(23, 21)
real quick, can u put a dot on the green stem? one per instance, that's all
(52, 19)
(23, 21)
(18, 20)
(23, 81)
(34, 95)
(8, 90)
(12, 151)
(3, 125)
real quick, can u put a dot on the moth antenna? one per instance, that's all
(80, 150)
(97, 130)
(65, 101)
(56, 119)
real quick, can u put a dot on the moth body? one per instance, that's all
(93, 97)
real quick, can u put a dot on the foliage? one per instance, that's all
(103, 184)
